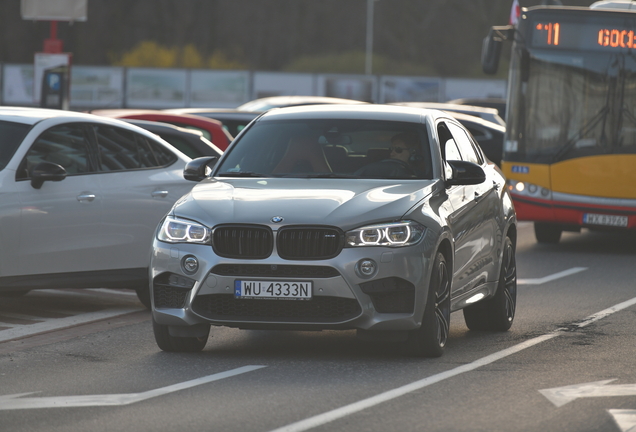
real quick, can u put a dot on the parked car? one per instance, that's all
(490, 114)
(267, 103)
(234, 121)
(190, 142)
(80, 198)
(489, 135)
(379, 218)
(211, 129)
(498, 103)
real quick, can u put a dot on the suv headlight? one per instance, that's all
(393, 234)
(175, 230)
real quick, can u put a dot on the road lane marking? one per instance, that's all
(16, 401)
(625, 419)
(20, 331)
(550, 278)
(559, 396)
(329, 416)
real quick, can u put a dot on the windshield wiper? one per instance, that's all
(598, 117)
(240, 174)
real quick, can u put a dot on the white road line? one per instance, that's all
(625, 419)
(19, 331)
(322, 419)
(17, 401)
(550, 278)
(112, 291)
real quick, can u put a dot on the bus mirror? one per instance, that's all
(491, 48)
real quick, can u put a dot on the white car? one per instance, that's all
(80, 198)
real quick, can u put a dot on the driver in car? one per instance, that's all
(404, 156)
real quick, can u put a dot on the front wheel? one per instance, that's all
(178, 344)
(498, 312)
(430, 339)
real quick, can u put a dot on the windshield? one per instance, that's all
(571, 106)
(11, 135)
(330, 148)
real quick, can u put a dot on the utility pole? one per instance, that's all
(369, 57)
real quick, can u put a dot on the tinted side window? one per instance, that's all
(153, 154)
(11, 136)
(465, 144)
(120, 149)
(65, 145)
(117, 149)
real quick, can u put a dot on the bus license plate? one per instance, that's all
(287, 290)
(607, 220)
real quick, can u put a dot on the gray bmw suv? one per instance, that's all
(379, 218)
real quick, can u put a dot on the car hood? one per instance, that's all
(344, 203)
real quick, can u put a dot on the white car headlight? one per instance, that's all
(394, 234)
(175, 230)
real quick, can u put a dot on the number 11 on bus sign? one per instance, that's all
(552, 32)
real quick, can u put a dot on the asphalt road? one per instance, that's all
(87, 361)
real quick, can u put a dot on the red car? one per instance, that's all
(211, 129)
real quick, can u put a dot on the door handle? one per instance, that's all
(85, 196)
(478, 196)
(496, 185)
(160, 194)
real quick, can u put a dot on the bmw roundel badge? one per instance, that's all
(277, 219)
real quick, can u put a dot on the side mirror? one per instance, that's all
(491, 48)
(465, 173)
(199, 168)
(46, 171)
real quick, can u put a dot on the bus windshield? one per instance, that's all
(570, 110)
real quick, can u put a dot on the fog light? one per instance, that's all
(190, 264)
(367, 267)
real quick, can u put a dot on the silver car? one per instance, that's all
(80, 199)
(379, 218)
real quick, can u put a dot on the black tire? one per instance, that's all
(430, 339)
(177, 344)
(143, 294)
(498, 312)
(547, 232)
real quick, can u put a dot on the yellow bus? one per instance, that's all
(570, 146)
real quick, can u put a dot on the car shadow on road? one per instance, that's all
(597, 242)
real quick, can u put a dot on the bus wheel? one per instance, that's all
(547, 232)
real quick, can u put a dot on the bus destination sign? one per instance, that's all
(582, 36)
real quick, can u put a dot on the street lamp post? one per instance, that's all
(369, 56)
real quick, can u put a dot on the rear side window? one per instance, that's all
(121, 150)
(11, 136)
(66, 145)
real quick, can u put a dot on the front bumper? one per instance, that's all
(392, 299)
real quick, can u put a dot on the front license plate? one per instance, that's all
(607, 220)
(288, 290)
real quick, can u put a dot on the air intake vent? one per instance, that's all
(309, 243)
(242, 241)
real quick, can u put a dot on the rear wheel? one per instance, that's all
(498, 312)
(177, 344)
(430, 339)
(547, 232)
